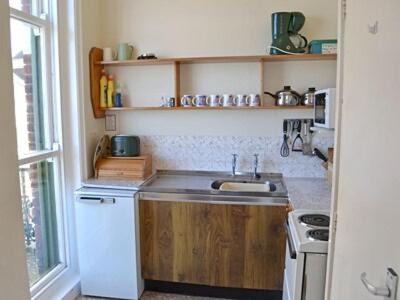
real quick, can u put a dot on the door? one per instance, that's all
(367, 237)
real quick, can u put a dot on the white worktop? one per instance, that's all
(112, 184)
(309, 193)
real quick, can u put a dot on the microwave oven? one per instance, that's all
(324, 108)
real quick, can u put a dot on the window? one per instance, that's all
(40, 169)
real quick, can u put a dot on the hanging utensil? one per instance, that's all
(321, 156)
(307, 150)
(290, 131)
(297, 145)
(285, 146)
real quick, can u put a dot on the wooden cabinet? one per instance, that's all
(223, 245)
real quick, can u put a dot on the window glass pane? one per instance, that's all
(30, 110)
(27, 6)
(39, 216)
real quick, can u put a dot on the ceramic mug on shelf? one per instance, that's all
(168, 101)
(213, 100)
(253, 100)
(240, 100)
(186, 100)
(108, 54)
(226, 100)
(200, 100)
(124, 51)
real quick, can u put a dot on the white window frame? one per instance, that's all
(47, 22)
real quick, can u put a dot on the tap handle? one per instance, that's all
(256, 158)
(234, 157)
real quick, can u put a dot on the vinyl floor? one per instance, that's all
(157, 296)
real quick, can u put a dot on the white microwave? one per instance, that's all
(324, 108)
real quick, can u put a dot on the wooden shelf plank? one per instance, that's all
(95, 55)
(177, 82)
(143, 62)
(221, 59)
(208, 108)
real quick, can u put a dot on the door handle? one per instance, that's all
(97, 200)
(388, 291)
(292, 251)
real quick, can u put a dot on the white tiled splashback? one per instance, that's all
(213, 153)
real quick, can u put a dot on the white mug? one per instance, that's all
(108, 54)
(240, 100)
(186, 100)
(199, 100)
(213, 100)
(253, 100)
(226, 100)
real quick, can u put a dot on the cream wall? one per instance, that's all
(201, 28)
(207, 27)
(13, 271)
(88, 34)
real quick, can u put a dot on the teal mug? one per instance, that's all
(124, 51)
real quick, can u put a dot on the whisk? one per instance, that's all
(285, 147)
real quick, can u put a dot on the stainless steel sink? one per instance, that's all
(209, 182)
(243, 186)
(205, 186)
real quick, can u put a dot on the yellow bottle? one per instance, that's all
(103, 89)
(110, 91)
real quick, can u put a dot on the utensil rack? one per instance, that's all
(96, 65)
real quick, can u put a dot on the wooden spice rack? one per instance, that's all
(96, 65)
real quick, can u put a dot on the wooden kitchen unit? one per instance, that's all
(223, 245)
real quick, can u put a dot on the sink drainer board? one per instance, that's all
(216, 185)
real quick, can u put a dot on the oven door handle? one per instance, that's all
(292, 251)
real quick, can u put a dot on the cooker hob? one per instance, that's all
(317, 220)
(318, 234)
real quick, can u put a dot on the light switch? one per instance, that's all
(111, 122)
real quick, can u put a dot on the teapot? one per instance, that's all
(308, 98)
(285, 97)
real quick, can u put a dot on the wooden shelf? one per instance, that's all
(220, 59)
(96, 65)
(208, 108)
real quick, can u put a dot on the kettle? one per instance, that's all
(285, 97)
(308, 98)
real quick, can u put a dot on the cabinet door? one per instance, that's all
(225, 245)
(106, 246)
